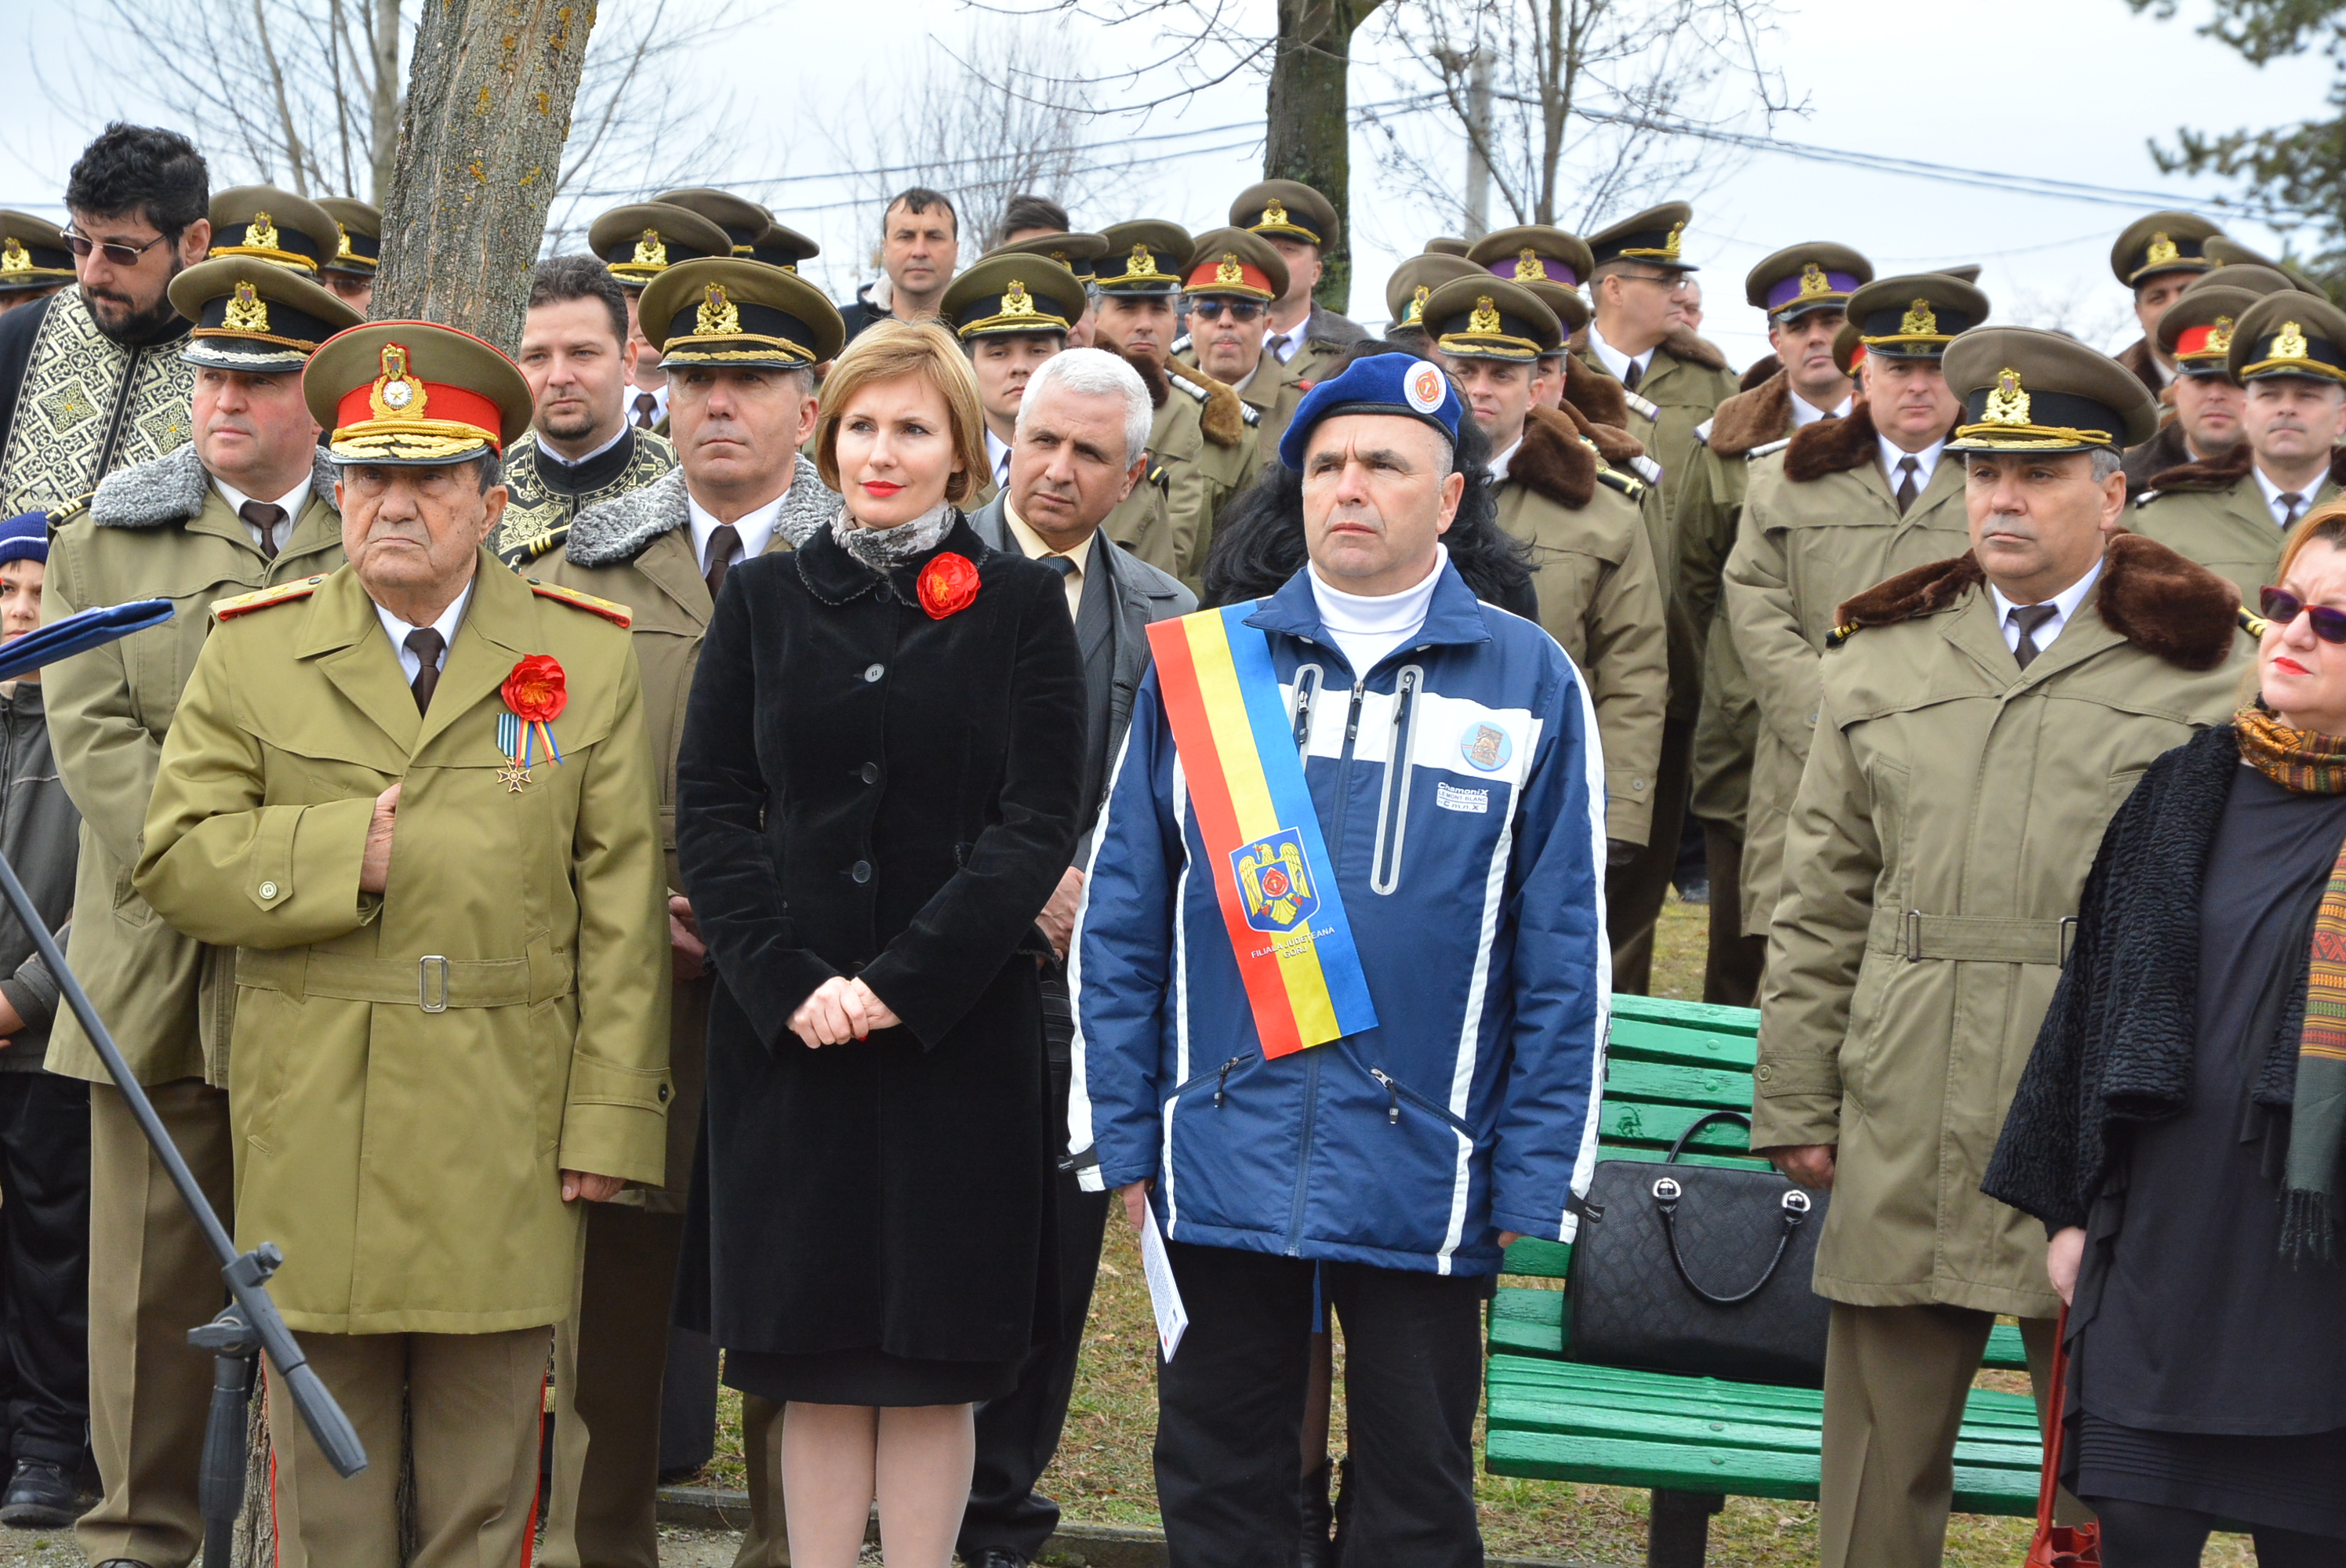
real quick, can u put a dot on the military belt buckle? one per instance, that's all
(424, 976)
(1910, 929)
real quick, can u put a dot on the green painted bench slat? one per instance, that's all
(1706, 1016)
(1525, 1321)
(1628, 1461)
(1674, 1084)
(2005, 1352)
(1528, 1382)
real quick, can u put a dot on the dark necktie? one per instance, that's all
(724, 540)
(427, 643)
(1909, 472)
(2030, 619)
(264, 516)
(1063, 564)
(1275, 345)
(644, 403)
(2295, 503)
(1633, 375)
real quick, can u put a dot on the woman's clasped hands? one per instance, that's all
(841, 1010)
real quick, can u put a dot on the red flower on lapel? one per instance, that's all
(948, 585)
(537, 689)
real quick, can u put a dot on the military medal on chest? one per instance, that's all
(534, 693)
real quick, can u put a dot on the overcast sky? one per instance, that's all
(2076, 95)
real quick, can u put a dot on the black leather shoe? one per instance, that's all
(996, 1557)
(39, 1497)
(1319, 1520)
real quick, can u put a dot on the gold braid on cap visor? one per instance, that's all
(688, 346)
(410, 440)
(1488, 345)
(2033, 437)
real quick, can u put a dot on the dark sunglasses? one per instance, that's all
(2280, 608)
(1240, 310)
(118, 253)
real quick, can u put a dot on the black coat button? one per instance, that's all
(871, 773)
(861, 870)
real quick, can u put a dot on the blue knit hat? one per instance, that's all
(1385, 383)
(25, 537)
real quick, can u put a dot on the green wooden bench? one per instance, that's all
(1693, 1441)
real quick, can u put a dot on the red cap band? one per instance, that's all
(441, 402)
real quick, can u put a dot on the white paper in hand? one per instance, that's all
(1163, 1294)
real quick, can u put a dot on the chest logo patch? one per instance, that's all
(1485, 747)
(1451, 797)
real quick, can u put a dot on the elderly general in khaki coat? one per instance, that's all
(451, 950)
(1979, 723)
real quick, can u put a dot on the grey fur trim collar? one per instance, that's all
(612, 532)
(172, 489)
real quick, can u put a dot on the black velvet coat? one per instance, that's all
(865, 789)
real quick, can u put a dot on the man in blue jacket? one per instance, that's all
(1440, 860)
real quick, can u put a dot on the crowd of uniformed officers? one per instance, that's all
(436, 906)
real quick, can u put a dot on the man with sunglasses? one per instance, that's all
(1229, 330)
(1981, 718)
(91, 378)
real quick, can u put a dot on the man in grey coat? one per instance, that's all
(1080, 447)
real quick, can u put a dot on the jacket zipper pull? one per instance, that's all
(1352, 719)
(1224, 1077)
(1393, 1095)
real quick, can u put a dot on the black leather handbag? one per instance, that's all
(1700, 1269)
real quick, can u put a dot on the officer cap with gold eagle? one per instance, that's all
(2162, 242)
(2027, 389)
(1550, 262)
(33, 254)
(1800, 279)
(256, 318)
(1235, 263)
(262, 223)
(641, 241)
(1286, 209)
(1914, 316)
(2291, 334)
(1145, 256)
(414, 394)
(2196, 332)
(729, 312)
(1076, 252)
(742, 219)
(785, 248)
(358, 248)
(1018, 292)
(1413, 282)
(1489, 317)
(1651, 236)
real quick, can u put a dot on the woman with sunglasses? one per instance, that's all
(2180, 1124)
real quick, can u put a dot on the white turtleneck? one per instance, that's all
(1366, 629)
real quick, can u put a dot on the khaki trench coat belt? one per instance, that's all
(1977, 939)
(432, 983)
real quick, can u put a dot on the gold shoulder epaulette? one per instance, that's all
(2255, 625)
(1157, 476)
(1634, 488)
(1841, 635)
(619, 615)
(282, 593)
(71, 509)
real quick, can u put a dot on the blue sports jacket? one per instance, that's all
(1461, 789)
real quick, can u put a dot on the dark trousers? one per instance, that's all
(2146, 1535)
(45, 1265)
(1731, 968)
(1018, 1433)
(1634, 892)
(1229, 1411)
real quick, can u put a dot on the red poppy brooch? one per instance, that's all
(948, 585)
(536, 692)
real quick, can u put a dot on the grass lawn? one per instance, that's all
(1103, 1475)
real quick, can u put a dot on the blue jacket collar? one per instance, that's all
(1454, 618)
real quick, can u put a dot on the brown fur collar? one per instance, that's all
(1616, 446)
(1764, 367)
(1554, 461)
(2164, 604)
(1753, 417)
(1681, 344)
(2227, 469)
(1152, 376)
(1588, 388)
(1223, 416)
(1830, 445)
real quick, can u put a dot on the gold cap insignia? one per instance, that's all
(1141, 264)
(2290, 343)
(343, 242)
(651, 250)
(261, 233)
(1416, 311)
(1670, 246)
(397, 393)
(1813, 281)
(1017, 301)
(2162, 250)
(247, 310)
(1921, 321)
(1229, 272)
(1274, 212)
(1528, 268)
(718, 316)
(1485, 317)
(13, 257)
(2219, 335)
(1060, 257)
(2006, 403)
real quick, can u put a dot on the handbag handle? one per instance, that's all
(1668, 1192)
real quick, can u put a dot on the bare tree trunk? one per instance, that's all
(382, 40)
(480, 146)
(1311, 119)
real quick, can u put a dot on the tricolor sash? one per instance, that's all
(1272, 871)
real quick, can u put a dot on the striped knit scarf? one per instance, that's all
(2312, 764)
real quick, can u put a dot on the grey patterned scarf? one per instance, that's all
(885, 549)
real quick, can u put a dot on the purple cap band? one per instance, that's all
(1788, 290)
(1519, 270)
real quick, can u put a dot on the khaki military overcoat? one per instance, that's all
(160, 530)
(1951, 808)
(2215, 513)
(1820, 525)
(411, 1072)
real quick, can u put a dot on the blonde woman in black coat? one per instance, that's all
(877, 792)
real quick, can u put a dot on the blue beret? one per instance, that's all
(1385, 383)
(25, 537)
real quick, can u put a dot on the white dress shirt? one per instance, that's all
(1498, 465)
(2273, 493)
(997, 457)
(396, 630)
(659, 402)
(1926, 462)
(1614, 360)
(1035, 547)
(1289, 343)
(756, 529)
(1806, 413)
(291, 503)
(2065, 604)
